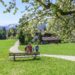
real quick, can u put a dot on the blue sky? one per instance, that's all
(9, 18)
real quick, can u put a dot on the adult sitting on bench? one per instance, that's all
(28, 49)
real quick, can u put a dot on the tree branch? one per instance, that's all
(58, 10)
(68, 12)
(46, 6)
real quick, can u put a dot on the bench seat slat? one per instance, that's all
(23, 54)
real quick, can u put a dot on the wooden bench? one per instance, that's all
(35, 54)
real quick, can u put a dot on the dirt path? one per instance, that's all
(15, 49)
(65, 57)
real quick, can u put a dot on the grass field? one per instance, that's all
(43, 66)
(63, 49)
(4, 47)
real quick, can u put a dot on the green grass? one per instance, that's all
(63, 49)
(43, 66)
(4, 47)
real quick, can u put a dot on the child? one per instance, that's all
(37, 48)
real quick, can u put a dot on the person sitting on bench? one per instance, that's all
(28, 48)
(36, 48)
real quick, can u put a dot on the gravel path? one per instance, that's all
(14, 49)
(65, 57)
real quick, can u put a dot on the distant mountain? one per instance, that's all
(7, 27)
(11, 26)
(1, 27)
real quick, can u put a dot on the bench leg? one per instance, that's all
(35, 56)
(14, 58)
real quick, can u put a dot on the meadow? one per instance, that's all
(58, 49)
(28, 66)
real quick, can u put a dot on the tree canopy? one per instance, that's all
(57, 6)
(60, 15)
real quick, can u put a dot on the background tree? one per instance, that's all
(3, 33)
